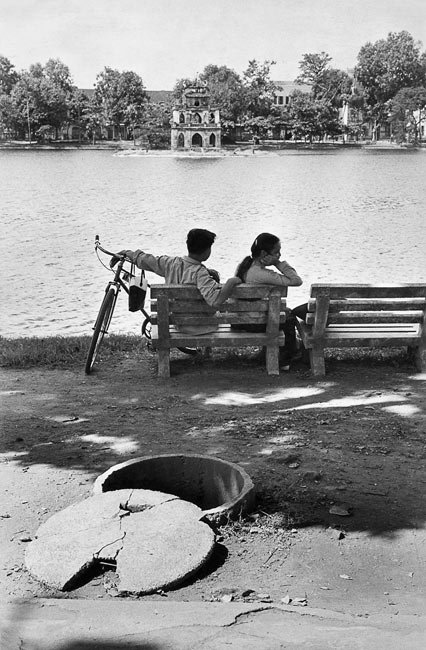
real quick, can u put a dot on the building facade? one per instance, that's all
(194, 123)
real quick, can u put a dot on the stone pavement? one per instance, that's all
(68, 624)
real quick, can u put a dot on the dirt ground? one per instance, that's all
(354, 440)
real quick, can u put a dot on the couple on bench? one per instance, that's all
(189, 269)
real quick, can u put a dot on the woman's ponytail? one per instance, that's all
(243, 267)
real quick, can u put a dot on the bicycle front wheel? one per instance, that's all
(101, 328)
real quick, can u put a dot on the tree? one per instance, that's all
(326, 83)
(226, 91)
(259, 88)
(8, 75)
(8, 78)
(155, 127)
(59, 74)
(41, 96)
(30, 97)
(93, 119)
(312, 70)
(121, 98)
(407, 112)
(387, 66)
(313, 118)
(180, 86)
(9, 120)
(78, 110)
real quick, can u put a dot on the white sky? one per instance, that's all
(164, 40)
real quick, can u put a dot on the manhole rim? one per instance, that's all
(244, 502)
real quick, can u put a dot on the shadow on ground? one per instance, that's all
(354, 439)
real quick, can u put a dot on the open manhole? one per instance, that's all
(220, 488)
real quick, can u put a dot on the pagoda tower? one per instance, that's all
(195, 124)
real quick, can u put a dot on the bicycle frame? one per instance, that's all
(118, 282)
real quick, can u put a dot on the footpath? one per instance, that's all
(105, 625)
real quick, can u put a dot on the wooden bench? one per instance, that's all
(177, 306)
(363, 315)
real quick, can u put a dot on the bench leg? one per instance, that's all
(420, 358)
(164, 363)
(316, 359)
(272, 360)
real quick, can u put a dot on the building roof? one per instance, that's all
(290, 86)
(156, 96)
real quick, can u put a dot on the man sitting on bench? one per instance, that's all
(188, 269)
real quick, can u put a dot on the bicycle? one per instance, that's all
(122, 278)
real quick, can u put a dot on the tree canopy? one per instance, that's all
(407, 110)
(8, 75)
(330, 84)
(387, 66)
(227, 91)
(120, 96)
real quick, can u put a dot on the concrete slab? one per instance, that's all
(163, 546)
(156, 539)
(160, 625)
(100, 508)
(61, 560)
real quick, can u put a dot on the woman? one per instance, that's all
(266, 251)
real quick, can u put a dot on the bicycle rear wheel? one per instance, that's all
(101, 327)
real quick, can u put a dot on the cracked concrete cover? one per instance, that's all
(156, 539)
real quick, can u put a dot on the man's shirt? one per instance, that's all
(180, 270)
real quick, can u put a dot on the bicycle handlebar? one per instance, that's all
(98, 246)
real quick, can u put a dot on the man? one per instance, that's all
(188, 269)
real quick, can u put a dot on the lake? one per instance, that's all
(343, 215)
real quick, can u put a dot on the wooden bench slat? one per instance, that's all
(376, 331)
(385, 304)
(235, 318)
(336, 291)
(370, 317)
(198, 307)
(189, 292)
(224, 338)
(179, 307)
(369, 341)
(378, 326)
(250, 317)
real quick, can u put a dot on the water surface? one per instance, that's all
(342, 216)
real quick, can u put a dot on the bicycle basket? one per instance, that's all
(137, 289)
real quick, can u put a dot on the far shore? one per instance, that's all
(238, 148)
(270, 145)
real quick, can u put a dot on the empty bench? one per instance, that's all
(174, 307)
(363, 315)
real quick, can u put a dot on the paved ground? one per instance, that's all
(100, 625)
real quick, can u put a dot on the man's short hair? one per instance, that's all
(198, 240)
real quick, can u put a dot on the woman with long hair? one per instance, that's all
(266, 252)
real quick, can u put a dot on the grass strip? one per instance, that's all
(62, 351)
(71, 351)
